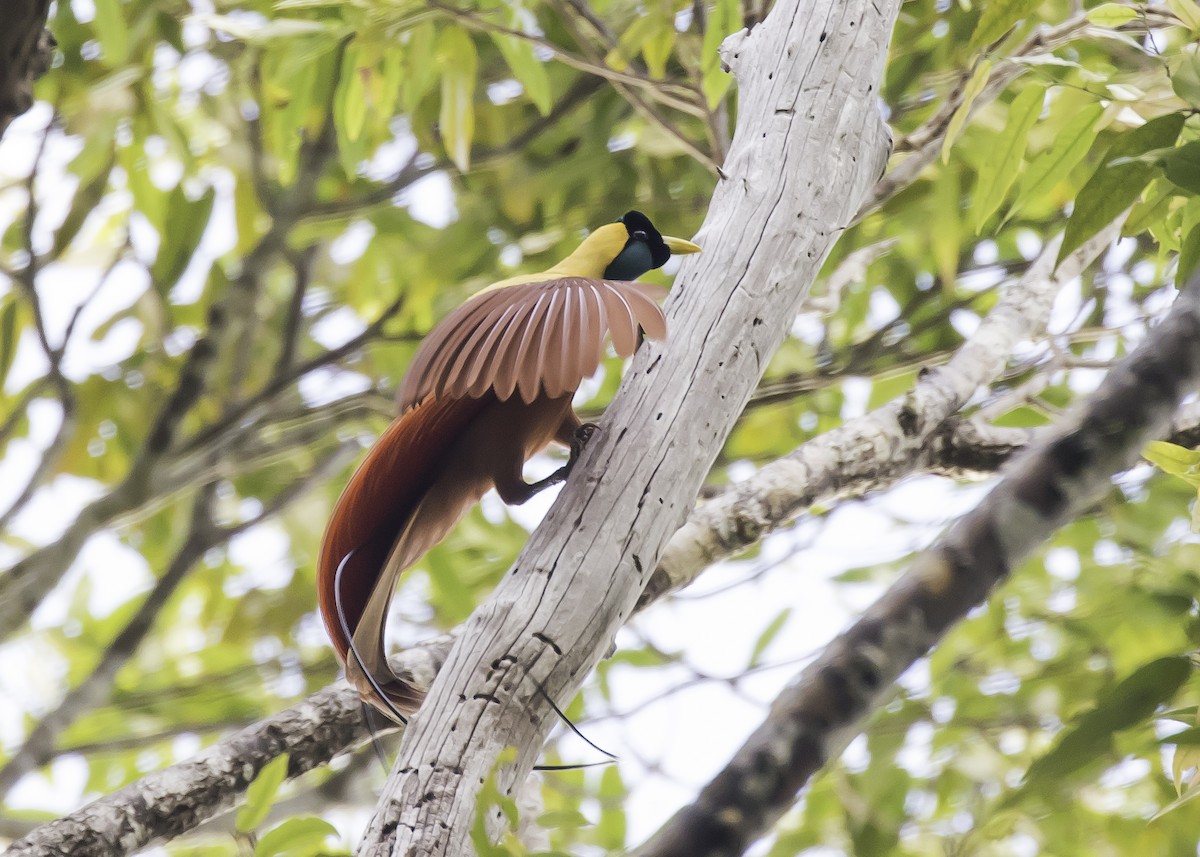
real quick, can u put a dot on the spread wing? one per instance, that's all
(531, 337)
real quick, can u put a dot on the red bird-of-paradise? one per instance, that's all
(489, 387)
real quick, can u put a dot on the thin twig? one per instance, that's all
(412, 171)
(302, 263)
(670, 94)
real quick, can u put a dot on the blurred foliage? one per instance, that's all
(309, 184)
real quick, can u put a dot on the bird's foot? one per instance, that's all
(582, 435)
(542, 484)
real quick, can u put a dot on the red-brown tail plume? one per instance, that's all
(490, 387)
(376, 506)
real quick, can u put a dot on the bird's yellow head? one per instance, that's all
(623, 250)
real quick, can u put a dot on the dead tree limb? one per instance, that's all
(808, 146)
(816, 716)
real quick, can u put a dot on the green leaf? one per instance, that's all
(87, 199)
(390, 80)
(1127, 704)
(147, 197)
(958, 121)
(1185, 79)
(1185, 714)
(456, 120)
(724, 19)
(1184, 758)
(112, 32)
(1111, 15)
(611, 830)
(8, 333)
(199, 850)
(945, 236)
(1189, 255)
(629, 45)
(527, 69)
(1182, 166)
(350, 102)
(1085, 74)
(999, 170)
(656, 50)
(184, 227)
(260, 795)
(998, 18)
(1187, 12)
(303, 836)
(1193, 792)
(249, 218)
(257, 32)
(97, 152)
(491, 798)
(888, 385)
(420, 66)
(1070, 145)
(1112, 189)
(1022, 416)
(714, 84)
(1151, 209)
(563, 818)
(1173, 459)
(768, 634)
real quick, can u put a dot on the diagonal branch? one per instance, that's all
(815, 717)
(178, 798)
(670, 94)
(408, 174)
(203, 786)
(879, 448)
(172, 801)
(203, 535)
(809, 144)
(39, 745)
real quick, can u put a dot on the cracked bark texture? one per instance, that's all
(176, 799)
(26, 51)
(814, 719)
(172, 801)
(809, 145)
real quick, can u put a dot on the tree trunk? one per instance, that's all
(808, 147)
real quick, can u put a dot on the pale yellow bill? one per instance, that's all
(679, 246)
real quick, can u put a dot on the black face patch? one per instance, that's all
(643, 250)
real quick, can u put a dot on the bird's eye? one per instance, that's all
(639, 235)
